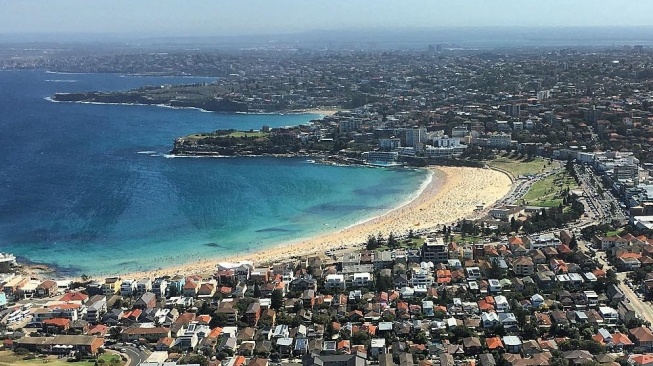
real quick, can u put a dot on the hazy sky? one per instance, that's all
(232, 17)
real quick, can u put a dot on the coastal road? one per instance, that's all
(135, 356)
(642, 309)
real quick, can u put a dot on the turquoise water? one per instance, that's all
(88, 189)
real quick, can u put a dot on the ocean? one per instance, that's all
(90, 189)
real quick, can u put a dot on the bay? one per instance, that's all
(88, 188)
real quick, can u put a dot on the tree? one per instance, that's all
(218, 320)
(277, 299)
(573, 244)
(257, 290)
(115, 332)
(199, 360)
(421, 338)
(384, 283)
(392, 241)
(513, 224)
(360, 338)
(372, 243)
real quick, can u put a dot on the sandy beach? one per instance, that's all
(452, 193)
(324, 112)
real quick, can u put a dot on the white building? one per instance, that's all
(389, 144)
(127, 288)
(495, 285)
(501, 303)
(499, 140)
(361, 279)
(334, 282)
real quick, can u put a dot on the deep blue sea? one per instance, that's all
(88, 189)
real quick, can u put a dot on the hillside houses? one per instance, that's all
(364, 309)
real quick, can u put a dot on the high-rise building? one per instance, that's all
(416, 137)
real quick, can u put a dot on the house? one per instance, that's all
(334, 282)
(626, 311)
(207, 288)
(620, 341)
(537, 300)
(164, 344)
(609, 315)
(143, 285)
(494, 343)
(640, 359)
(400, 281)
(490, 320)
(253, 313)
(127, 288)
(303, 283)
(229, 310)
(495, 286)
(160, 287)
(285, 346)
(642, 337)
(501, 303)
(96, 307)
(377, 347)
(111, 286)
(146, 301)
(523, 266)
(508, 321)
(578, 357)
(74, 297)
(47, 288)
(428, 308)
(512, 344)
(191, 286)
(472, 345)
(354, 359)
(56, 325)
(362, 279)
(301, 346)
(308, 298)
(487, 359)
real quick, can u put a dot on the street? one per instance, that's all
(642, 309)
(136, 356)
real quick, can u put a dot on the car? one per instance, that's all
(123, 350)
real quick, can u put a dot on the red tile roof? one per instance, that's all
(74, 296)
(57, 322)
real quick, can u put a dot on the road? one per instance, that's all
(603, 205)
(642, 309)
(135, 356)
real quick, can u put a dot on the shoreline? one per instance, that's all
(448, 195)
(321, 112)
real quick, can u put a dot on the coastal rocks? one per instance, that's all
(208, 104)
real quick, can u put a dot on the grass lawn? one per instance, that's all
(248, 134)
(521, 166)
(548, 191)
(7, 358)
(614, 232)
(414, 242)
(236, 134)
(467, 239)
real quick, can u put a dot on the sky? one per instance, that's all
(247, 17)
